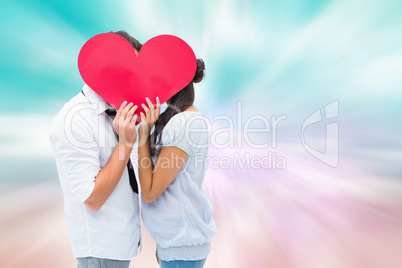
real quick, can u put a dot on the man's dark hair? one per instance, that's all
(134, 42)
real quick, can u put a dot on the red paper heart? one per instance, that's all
(108, 64)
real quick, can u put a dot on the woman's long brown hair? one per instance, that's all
(176, 104)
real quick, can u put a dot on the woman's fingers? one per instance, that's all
(150, 104)
(147, 112)
(145, 108)
(158, 107)
(150, 114)
(143, 118)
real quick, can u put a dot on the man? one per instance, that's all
(92, 154)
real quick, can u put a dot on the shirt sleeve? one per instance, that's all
(77, 155)
(176, 134)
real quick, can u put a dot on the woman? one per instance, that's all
(172, 162)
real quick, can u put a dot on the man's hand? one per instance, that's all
(124, 124)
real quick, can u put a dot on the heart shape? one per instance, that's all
(109, 65)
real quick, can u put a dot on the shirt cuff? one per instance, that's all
(82, 190)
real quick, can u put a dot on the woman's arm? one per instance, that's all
(168, 164)
(154, 181)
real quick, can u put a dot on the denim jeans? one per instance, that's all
(182, 264)
(91, 262)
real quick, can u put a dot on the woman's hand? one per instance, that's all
(124, 124)
(149, 118)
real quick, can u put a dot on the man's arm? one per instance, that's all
(110, 174)
(108, 177)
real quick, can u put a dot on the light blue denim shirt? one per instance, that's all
(180, 220)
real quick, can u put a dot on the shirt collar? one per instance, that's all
(96, 101)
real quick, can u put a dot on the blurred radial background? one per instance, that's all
(269, 59)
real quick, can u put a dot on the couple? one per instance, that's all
(92, 144)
